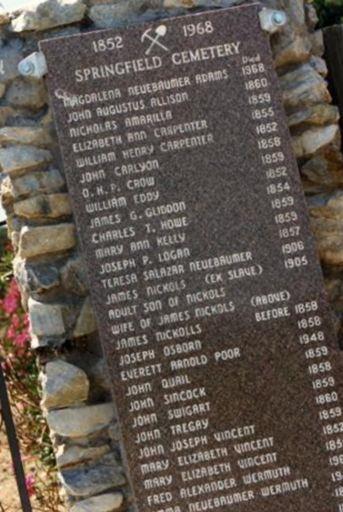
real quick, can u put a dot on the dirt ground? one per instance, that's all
(9, 498)
(9, 501)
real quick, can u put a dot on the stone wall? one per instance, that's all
(48, 263)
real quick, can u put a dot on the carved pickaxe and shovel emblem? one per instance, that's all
(155, 38)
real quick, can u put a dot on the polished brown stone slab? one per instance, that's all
(204, 278)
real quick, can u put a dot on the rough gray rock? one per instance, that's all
(315, 115)
(317, 41)
(64, 309)
(104, 503)
(19, 159)
(81, 421)
(5, 113)
(327, 224)
(46, 319)
(36, 136)
(292, 48)
(188, 4)
(38, 241)
(320, 174)
(4, 16)
(67, 456)
(328, 233)
(44, 14)
(36, 278)
(288, 44)
(64, 31)
(334, 288)
(50, 180)
(114, 432)
(328, 205)
(315, 139)
(50, 206)
(100, 375)
(303, 87)
(10, 56)
(6, 191)
(63, 385)
(86, 323)
(93, 479)
(311, 16)
(97, 371)
(25, 93)
(319, 65)
(111, 15)
(105, 14)
(73, 276)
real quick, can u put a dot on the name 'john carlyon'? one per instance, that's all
(129, 67)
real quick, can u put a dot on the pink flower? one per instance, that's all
(13, 288)
(11, 333)
(12, 300)
(30, 481)
(21, 339)
(26, 320)
(15, 321)
(10, 304)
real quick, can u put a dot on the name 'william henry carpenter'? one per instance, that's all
(151, 63)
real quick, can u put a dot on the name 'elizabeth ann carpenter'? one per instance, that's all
(151, 63)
